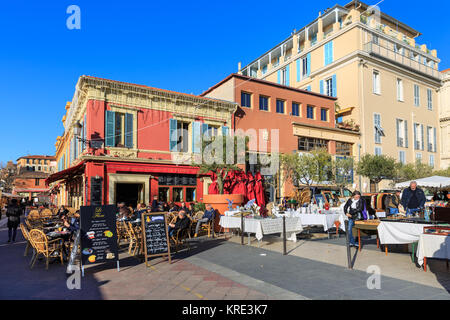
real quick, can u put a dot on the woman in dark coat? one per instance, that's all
(13, 212)
(353, 209)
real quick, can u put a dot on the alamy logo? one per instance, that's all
(74, 20)
(374, 280)
(74, 280)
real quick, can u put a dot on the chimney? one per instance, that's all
(239, 66)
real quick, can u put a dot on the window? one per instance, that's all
(429, 99)
(323, 114)
(183, 136)
(213, 131)
(402, 133)
(310, 112)
(376, 82)
(416, 95)
(400, 90)
(285, 76)
(418, 157)
(295, 109)
(36, 182)
(402, 157)
(305, 63)
(246, 99)
(418, 136)
(118, 130)
(431, 139)
(375, 39)
(378, 129)
(263, 103)
(190, 194)
(378, 151)
(309, 144)
(163, 194)
(343, 149)
(280, 106)
(431, 162)
(264, 69)
(329, 87)
(177, 195)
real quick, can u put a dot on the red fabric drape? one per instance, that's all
(259, 190)
(250, 186)
(213, 188)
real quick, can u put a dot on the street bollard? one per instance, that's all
(242, 228)
(349, 258)
(284, 235)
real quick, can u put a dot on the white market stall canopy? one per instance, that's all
(431, 182)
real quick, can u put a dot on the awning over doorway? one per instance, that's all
(66, 174)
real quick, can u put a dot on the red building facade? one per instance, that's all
(121, 141)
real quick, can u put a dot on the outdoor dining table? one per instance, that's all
(261, 227)
(64, 236)
(432, 246)
(326, 219)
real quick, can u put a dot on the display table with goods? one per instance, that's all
(400, 230)
(434, 243)
(254, 224)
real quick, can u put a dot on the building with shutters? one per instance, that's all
(120, 141)
(295, 119)
(384, 80)
(444, 119)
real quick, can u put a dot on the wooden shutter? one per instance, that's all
(397, 121)
(321, 87)
(406, 133)
(173, 135)
(334, 86)
(434, 140)
(279, 76)
(129, 130)
(308, 64)
(110, 124)
(415, 136)
(422, 136)
(287, 74)
(298, 70)
(196, 137)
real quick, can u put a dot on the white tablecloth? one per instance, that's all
(262, 227)
(433, 246)
(399, 232)
(326, 220)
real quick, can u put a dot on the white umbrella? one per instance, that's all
(431, 182)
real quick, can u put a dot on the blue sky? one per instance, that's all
(177, 45)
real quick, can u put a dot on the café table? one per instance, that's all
(261, 227)
(326, 219)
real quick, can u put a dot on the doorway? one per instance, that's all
(130, 193)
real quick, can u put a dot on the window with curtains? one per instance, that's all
(119, 129)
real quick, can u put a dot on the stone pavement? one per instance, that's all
(219, 269)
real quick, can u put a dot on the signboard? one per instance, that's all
(96, 191)
(155, 235)
(98, 234)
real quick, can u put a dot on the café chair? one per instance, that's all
(43, 246)
(26, 235)
(181, 236)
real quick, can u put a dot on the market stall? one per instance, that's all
(433, 243)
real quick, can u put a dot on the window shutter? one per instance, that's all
(205, 128)
(434, 140)
(334, 86)
(85, 132)
(196, 137)
(298, 70)
(330, 53)
(415, 136)
(75, 148)
(308, 64)
(128, 130)
(321, 87)
(422, 136)
(173, 137)
(406, 134)
(429, 148)
(398, 132)
(279, 76)
(288, 74)
(109, 129)
(225, 131)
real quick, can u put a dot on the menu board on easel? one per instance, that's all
(156, 236)
(98, 234)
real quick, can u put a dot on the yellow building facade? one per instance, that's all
(384, 80)
(444, 119)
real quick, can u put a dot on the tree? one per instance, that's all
(307, 168)
(342, 172)
(377, 168)
(412, 171)
(216, 156)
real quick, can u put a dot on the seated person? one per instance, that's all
(62, 211)
(141, 208)
(74, 224)
(207, 216)
(181, 223)
(183, 207)
(173, 207)
(155, 204)
(124, 211)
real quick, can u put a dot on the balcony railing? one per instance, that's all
(398, 58)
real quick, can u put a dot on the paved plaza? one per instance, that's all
(219, 269)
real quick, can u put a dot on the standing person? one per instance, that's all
(155, 204)
(392, 202)
(413, 199)
(207, 216)
(13, 212)
(353, 210)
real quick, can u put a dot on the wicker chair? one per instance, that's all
(34, 214)
(26, 235)
(181, 236)
(134, 242)
(43, 246)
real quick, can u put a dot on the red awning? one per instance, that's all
(65, 174)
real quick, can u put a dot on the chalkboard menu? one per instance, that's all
(96, 191)
(98, 234)
(156, 236)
